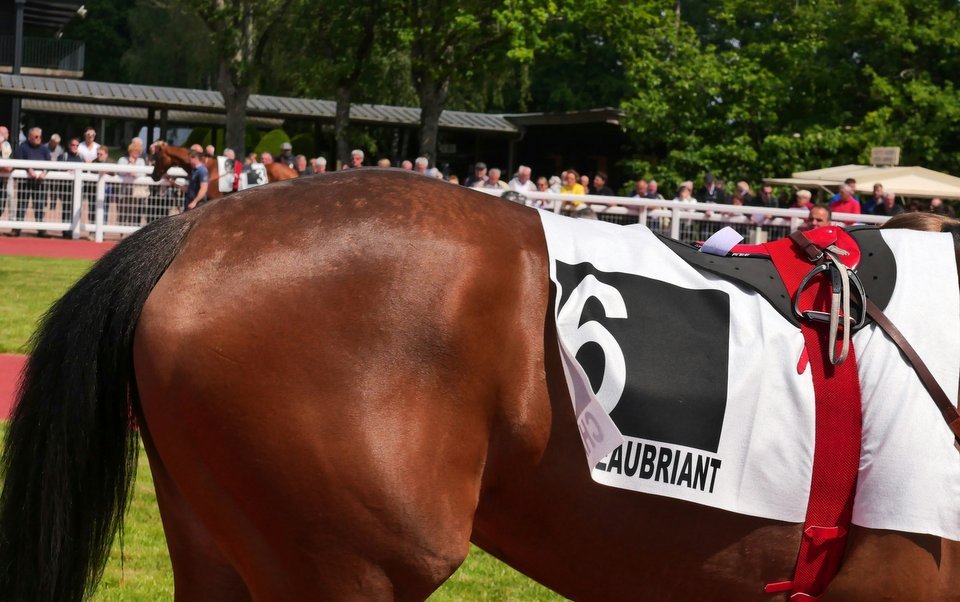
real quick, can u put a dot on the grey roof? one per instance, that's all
(607, 115)
(133, 113)
(275, 107)
(50, 13)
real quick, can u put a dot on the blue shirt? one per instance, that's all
(32, 153)
(198, 176)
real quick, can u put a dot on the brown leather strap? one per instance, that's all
(946, 407)
(813, 251)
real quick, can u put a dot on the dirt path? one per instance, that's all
(11, 365)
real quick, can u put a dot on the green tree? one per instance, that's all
(240, 32)
(334, 41)
(451, 43)
(106, 36)
(153, 60)
(747, 88)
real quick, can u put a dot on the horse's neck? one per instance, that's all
(180, 159)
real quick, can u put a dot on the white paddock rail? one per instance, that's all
(119, 199)
(689, 222)
(101, 198)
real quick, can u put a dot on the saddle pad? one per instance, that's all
(701, 378)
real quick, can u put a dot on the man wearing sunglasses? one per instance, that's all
(31, 191)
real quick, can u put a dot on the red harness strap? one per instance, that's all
(838, 431)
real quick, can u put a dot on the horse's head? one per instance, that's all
(160, 158)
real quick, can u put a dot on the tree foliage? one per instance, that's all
(333, 42)
(463, 43)
(748, 89)
(173, 48)
(743, 88)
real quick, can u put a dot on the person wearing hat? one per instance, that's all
(286, 156)
(478, 177)
(712, 192)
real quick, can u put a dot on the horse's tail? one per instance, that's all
(71, 450)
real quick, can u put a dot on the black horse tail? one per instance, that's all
(70, 456)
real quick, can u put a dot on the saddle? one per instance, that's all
(751, 267)
(830, 283)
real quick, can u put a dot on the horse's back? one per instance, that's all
(326, 362)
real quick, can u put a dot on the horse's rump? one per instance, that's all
(335, 349)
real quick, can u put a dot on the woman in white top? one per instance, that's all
(131, 196)
(89, 147)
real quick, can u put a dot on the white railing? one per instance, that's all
(689, 222)
(106, 198)
(84, 198)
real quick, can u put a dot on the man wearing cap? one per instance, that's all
(479, 175)
(286, 156)
(711, 193)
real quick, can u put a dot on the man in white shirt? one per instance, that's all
(523, 183)
(88, 148)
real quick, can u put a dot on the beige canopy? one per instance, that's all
(914, 182)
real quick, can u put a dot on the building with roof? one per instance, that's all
(589, 140)
(45, 54)
(40, 84)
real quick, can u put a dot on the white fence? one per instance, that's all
(84, 198)
(689, 222)
(95, 199)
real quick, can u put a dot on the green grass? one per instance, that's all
(30, 286)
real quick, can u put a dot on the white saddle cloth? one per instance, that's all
(701, 378)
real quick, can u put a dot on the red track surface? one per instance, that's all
(10, 365)
(53, 247)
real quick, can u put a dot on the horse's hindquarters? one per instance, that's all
(325, 405)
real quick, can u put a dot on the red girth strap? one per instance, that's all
(838, 429)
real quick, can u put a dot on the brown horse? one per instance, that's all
(335, 403)
(278, 172)
(166, 156)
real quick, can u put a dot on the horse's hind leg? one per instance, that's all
(199, 568)
(306, 509)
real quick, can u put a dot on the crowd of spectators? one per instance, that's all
(128, 195)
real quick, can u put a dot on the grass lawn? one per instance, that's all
(29, 286)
